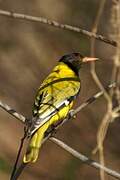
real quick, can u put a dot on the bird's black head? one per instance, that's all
(75, 60)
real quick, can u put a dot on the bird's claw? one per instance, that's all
(71, 114)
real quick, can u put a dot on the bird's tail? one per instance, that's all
(35, 144)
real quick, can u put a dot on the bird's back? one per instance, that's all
(56, 92)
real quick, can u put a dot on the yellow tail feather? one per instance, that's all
(35, 144)
(36, 140)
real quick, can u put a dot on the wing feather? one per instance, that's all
(55, 93)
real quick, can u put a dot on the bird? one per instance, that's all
(54, 100)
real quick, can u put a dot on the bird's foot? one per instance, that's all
(71, 114)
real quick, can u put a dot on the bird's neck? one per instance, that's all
(72, 67)
(66, 70)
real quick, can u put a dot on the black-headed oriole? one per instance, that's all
(54, 100)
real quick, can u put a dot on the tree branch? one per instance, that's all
(85, 159)
(57, 25)
(73, 113)
(98, 82)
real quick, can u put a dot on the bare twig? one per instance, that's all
(115, 26)
(57, 24)
(76, 154)
(12, 112)
(83, 105)
(17, 159)
(84, 159)
(105, 122)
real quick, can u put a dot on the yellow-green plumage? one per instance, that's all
(53, 101)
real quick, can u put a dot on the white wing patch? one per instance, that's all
(38, 122)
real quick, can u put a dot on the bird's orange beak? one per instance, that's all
(89, 59)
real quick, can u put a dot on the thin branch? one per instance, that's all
(17, 159)
(115, 26)
(72, 114)
(85, 159)
(76, 154)
(110, 116)
(57, 25)
(93, 98)
(105, 120)
(12, 112)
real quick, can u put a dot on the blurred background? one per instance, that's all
(28, 52)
